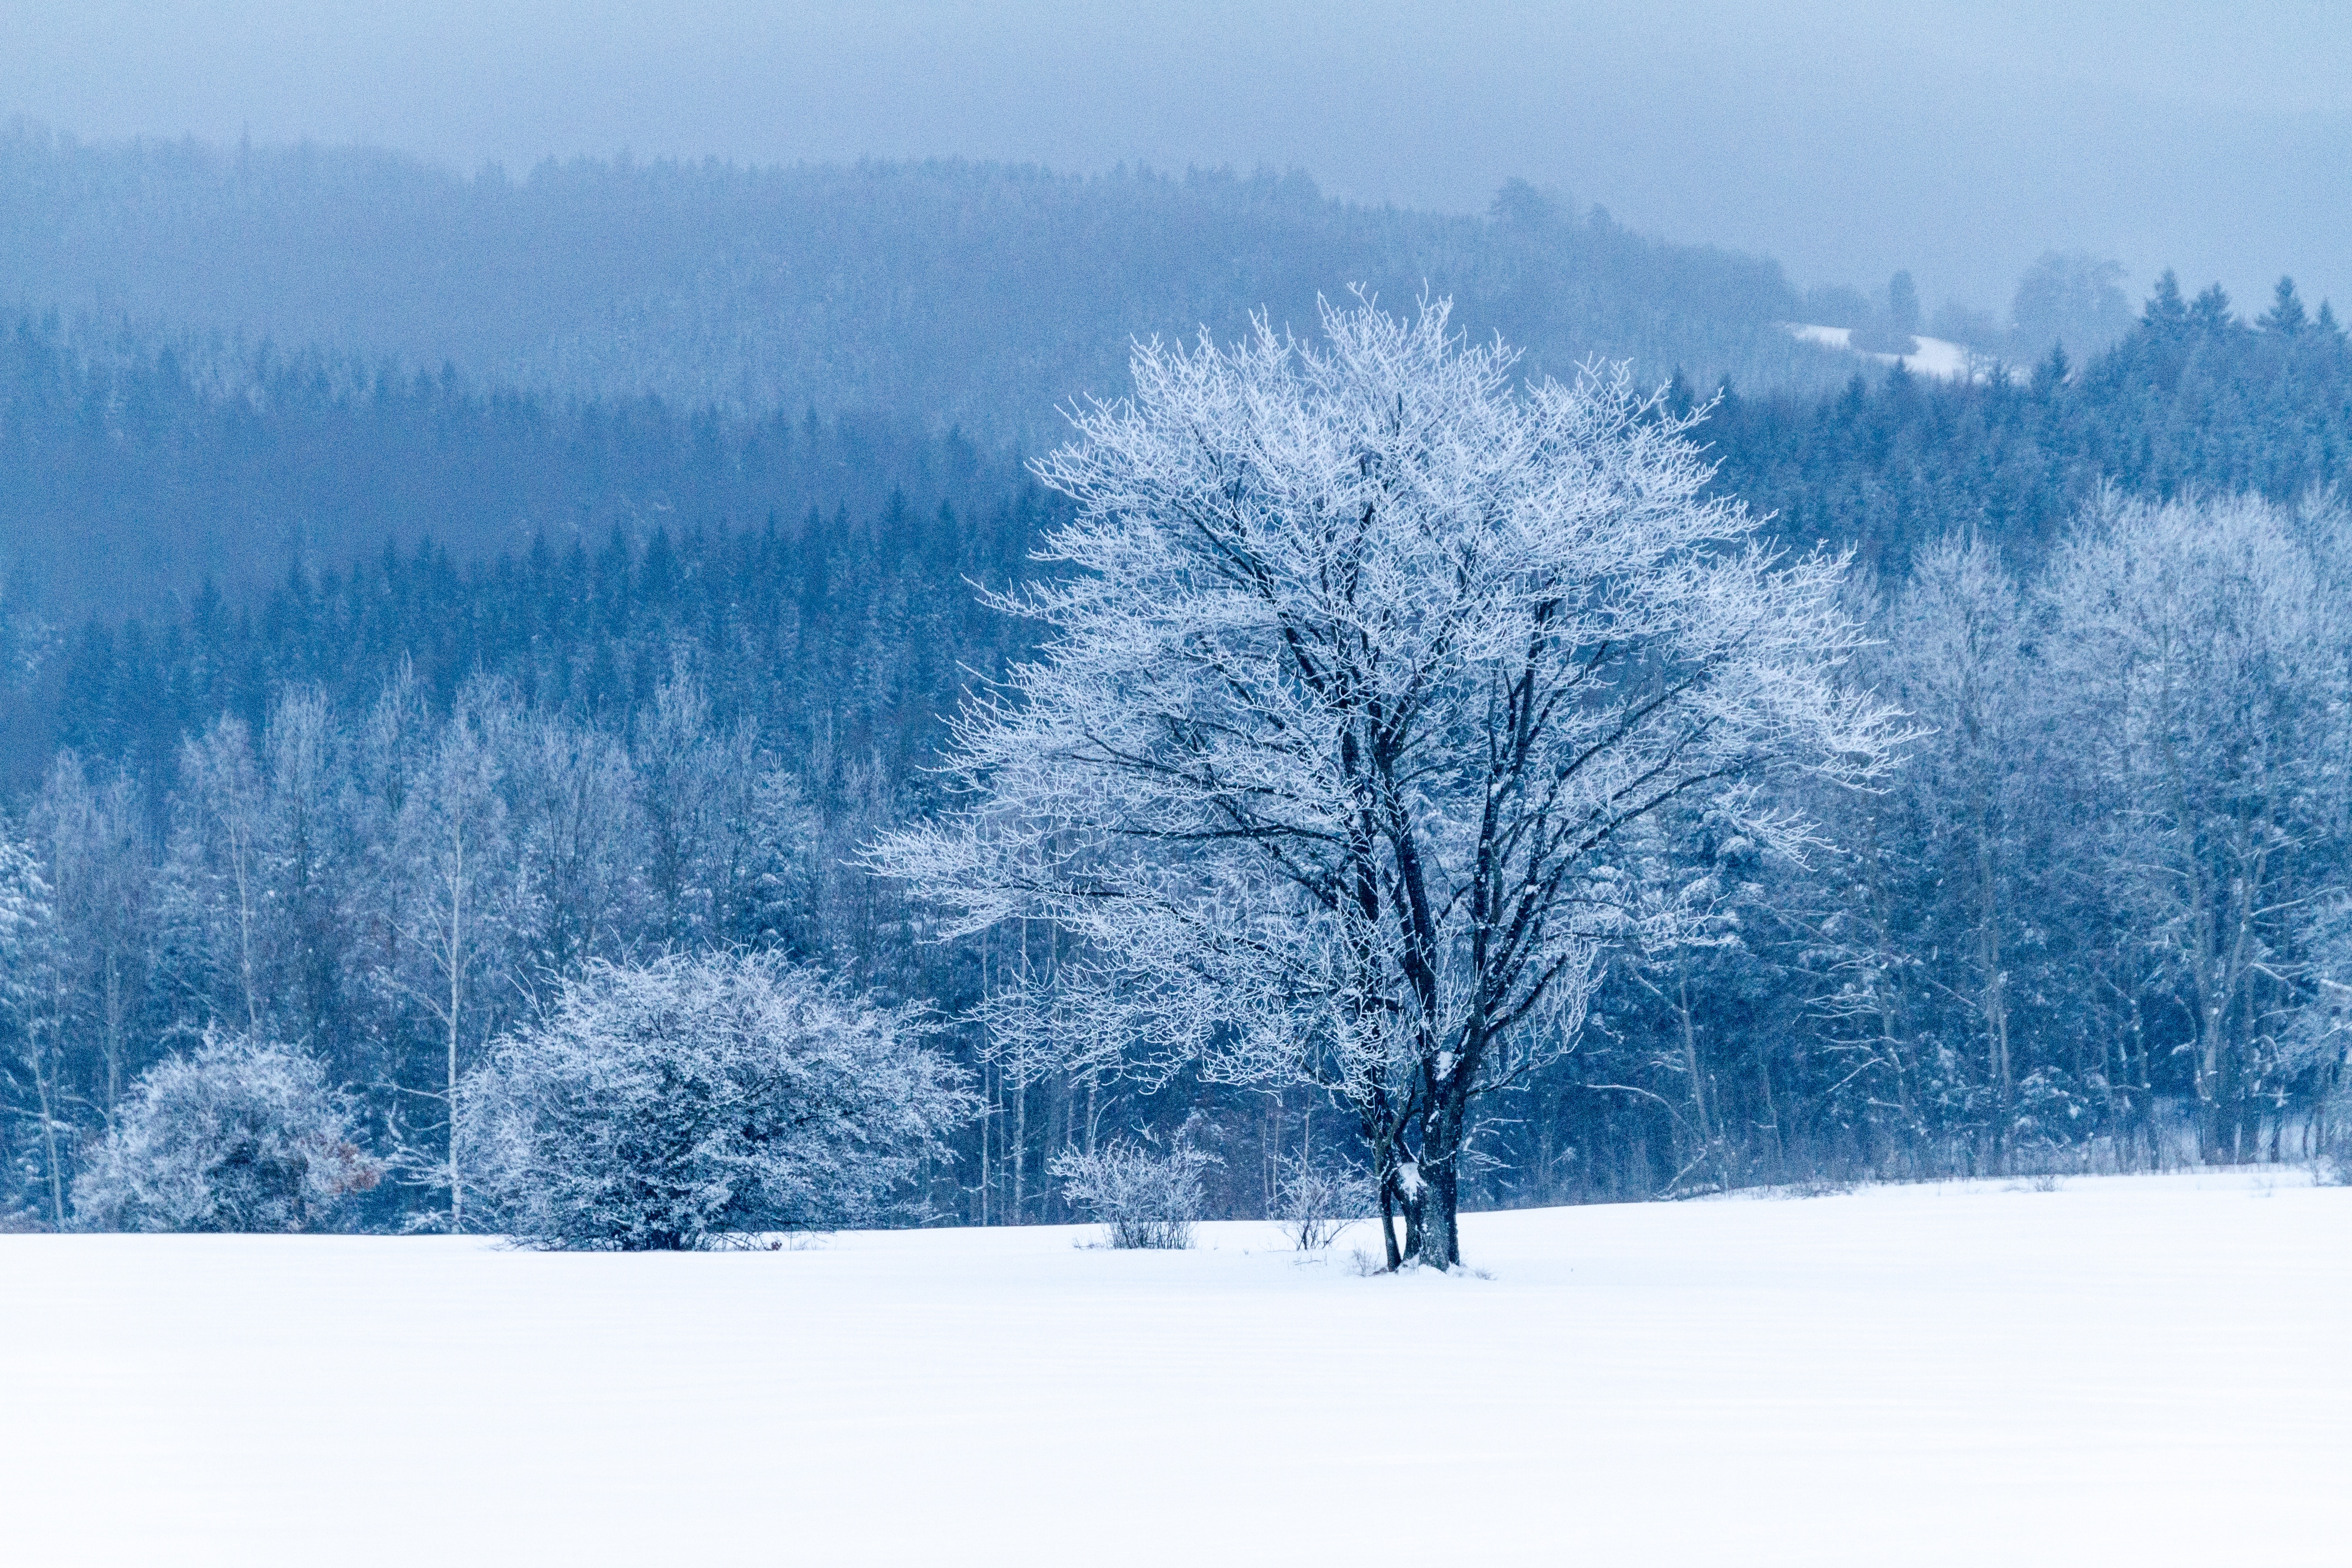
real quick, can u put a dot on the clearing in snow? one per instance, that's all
(2145, 1370)
(1937, 357)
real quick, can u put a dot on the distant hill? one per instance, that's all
(132, 471)
(962, 293)
(307, 493)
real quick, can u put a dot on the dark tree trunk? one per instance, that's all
(1388, 1220)
(1438, 1238)
(1440, 1244)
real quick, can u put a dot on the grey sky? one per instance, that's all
(1847, 139)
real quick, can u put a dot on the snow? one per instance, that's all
(2151, 1370)
(1937, 356)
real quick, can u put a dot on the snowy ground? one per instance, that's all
(2146, 1370)
(1934, 356)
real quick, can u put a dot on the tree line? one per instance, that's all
(133, 469)
(2095, 917)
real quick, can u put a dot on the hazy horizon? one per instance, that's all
(1844, 141)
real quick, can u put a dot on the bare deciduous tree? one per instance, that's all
(2202, 651)
(1364, 669)
(457, 888)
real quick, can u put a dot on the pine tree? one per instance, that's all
(1903, 304)
(2286, 316)
(2211, 314)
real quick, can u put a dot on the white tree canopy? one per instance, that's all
(2206, 654)
(688, 1102)
(242, 1135)
(1364, 666)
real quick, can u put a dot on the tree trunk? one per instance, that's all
(2212, 1134)
(1020, 1149)
(1381, 1136)
(1994, 999)
(1437, 1240)
(456, 1003)
(238, 847)
(115, 1014)
(49, 1140)
(1440, 1243)
(1714, 1153)
(1392, 1255)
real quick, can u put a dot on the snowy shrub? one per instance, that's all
(2051, 1113)
(1317, 1199)
(689, 1102)
(1143, 1196)
(244, 1135)
(2331, 1141)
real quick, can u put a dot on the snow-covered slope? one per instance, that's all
(2148, 1370)
(1935, 356)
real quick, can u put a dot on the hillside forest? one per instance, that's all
(369, 671)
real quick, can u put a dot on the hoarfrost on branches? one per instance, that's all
(2202, 645)
(1143, 1196)
(696, 1100)
(1366, 673)
(242, 1135)
(32, 972)
(1315, 1198)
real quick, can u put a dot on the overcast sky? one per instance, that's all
(1847, 139)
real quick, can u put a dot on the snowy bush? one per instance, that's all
(244, 1135)
(2331, 1141)
(1317, 1199)
(1143, 1196)
(689, 1102)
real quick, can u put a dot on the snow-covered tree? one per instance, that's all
(1364, 670)
(216, 894)
(689, 1102)
(310, 856)
(455, 887)
(576, 831)
(29, 1010)
(778, 869)
(1959, 664)
(93, 841)
(696, 786)
(2202, 650)
(1938, 923)
(1317, 1198)
(242, 1135)
(1142, 1194)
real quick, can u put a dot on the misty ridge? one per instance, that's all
(981, 295)
(215, 345)
(987, 296)
(632, 524)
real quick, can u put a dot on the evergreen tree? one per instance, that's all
(2211, 313)
(2286, 316)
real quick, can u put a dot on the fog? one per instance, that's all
(1846, 139)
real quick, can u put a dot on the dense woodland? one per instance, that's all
(358, 708)
(131, 475)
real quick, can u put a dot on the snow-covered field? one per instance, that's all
(2144, 1370)
(1934, 356)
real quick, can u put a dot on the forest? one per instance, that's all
(669, 656)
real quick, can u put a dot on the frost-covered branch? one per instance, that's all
(1363, 670)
